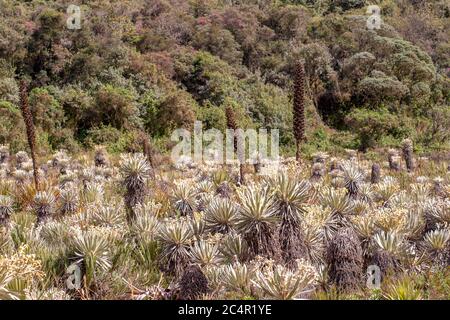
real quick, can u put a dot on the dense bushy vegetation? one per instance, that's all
(146, 67)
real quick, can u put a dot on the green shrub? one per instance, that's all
(114, 140)
(371, 125)
(12, 128)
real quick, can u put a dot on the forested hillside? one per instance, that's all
(149, 67)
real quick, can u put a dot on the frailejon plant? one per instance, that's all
(338, 201)
(101, 157)
(175, 238)
(245, 244)
(233, 249)
(4, 154)
(6, 209)
(29, 124)
(353, 178)
(43, 204)
(69, 200)
(407, 149)
(393, 159)
(231, 124)
(375, 173)
(221, 215)
(148, 152)
(281, 283)
(437, 243)
(290, 197)
(204, 253)
(184, 198)
(238, 277)
(257, 219)
(344, 259)
(193, 283)
(389, 249)
(135, 171)
(299, 106)
(318, 171)
(92, 254)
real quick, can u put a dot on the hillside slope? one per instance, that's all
(153, 66)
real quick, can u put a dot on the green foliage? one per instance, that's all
(372, 125)
(212, 116)
(219, 42)
(113, 139)
(12, 129)
(379, 88)
(164, 113)
(9, 90)
(154, 68)
(115, 106)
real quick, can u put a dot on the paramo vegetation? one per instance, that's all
(92, 207)
(147, 67)
(101, 226)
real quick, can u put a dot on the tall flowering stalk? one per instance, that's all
(31, 136)
(147, 151)
(231, 123)
(299, 106)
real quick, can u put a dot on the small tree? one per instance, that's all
(370, 125)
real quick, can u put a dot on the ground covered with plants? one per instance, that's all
(93, 207)
(136, 230)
